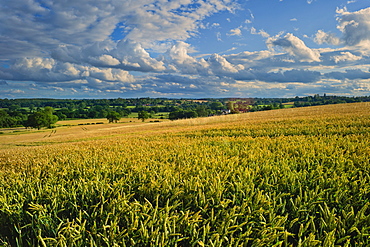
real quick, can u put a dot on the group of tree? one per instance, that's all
(205, 110)
(113, 117)
(32, 112)
(38, 119)
(41, 118)
(85, 112)
(8, 121)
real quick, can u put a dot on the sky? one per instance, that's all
(184, 48)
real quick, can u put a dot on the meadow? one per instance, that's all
(288, 177)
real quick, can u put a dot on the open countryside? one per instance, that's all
(284, 177)
(196, 123)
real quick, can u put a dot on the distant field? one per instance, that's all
(288, 177)
(288, 104)
(96, 121)
(155, 116)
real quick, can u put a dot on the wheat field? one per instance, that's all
(289, 177)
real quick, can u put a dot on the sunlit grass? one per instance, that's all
(290, 177)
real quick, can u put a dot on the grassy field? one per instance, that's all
(289, 177)
(159, 115)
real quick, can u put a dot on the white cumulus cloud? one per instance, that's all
(235, 32)
(260, 32)
(346, 56)
(295, 47)
(355, 26)
(329, 38)
(219, 65)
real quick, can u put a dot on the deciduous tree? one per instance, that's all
(42, 118)
(143, 115)
(113, 116)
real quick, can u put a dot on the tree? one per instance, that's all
(202, 111)
(32, 108)
(143, 115)
(42, 118)
(179, 114)
(230, 106)
(175, 115)
(36, 120)
(6, 121)
(216, 106)
(113, 116)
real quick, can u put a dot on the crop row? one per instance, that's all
(271, 182)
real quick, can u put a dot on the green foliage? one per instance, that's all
(113, 116)
(202, 111)
(18, 110)
(42, 118)
(216, 106)
(143, 115)
(6, 121)
(180, 114)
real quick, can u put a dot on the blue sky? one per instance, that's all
(184, 48)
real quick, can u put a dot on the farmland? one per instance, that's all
(288, 177)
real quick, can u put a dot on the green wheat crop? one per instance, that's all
(293, 177)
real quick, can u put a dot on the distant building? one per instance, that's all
(225, 111)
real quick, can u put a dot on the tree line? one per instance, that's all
(38, 113)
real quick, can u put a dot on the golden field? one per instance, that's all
(289, 177)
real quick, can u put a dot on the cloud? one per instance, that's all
(303, 76)
(140, 47)
(329, 38)
(351, 74)
(260, 32)
(170, 85)
(178, 53)
(220, 66)
(251, 59)
(178, 59)
(170, 20)
(71, 42)
(29, 24)
(125, 54)
(295, 47)
(218, 35)
(345, 56)
(178, 71)
(235, 31)
(11, 92)
(355, 26)
(108, 60)
(29, 28)
(3, 83)
(47, 71)
(132, 55)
